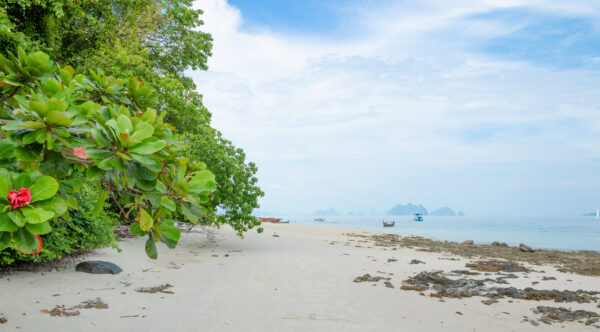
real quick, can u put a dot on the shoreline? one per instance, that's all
(293, 277)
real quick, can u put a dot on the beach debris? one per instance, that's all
(156, 289)
(465, 272)
(275, 235)
(560, 314)
(98, 267)
(416, 261)
(368, 278)
(497, 266)
(525, 248)
(3, 320)
(578, 262)
(443, 286)
(584, 271)
(391, 260)
(63, 311)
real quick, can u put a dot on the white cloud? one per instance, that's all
(323, 117)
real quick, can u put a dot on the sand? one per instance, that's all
(289, 278)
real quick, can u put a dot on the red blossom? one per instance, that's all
(80, 152)
(18, 199)
(12, 197)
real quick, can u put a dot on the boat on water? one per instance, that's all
(284, 222)
(597, 213)
(418, 217)
(389, 224)
(319, 219)
(270, 219)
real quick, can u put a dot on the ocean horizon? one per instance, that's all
(559, 233)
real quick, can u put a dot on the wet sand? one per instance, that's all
(307, 278)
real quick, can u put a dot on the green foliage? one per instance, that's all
(80, 232)
(63, 125)
(155, 40)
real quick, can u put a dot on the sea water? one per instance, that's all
(578, 233)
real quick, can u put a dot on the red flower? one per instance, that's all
(18, 199)
(12, 198)
(80, 152)
(24, 196)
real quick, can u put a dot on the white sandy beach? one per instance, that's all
(301, 280)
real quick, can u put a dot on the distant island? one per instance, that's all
(398, 210)
(410, 209)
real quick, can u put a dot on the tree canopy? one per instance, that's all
(156, 41)
(98, 88)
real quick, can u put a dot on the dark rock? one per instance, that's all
(390, 260)
(388, 284)
(368, 278)
(416, 261)
(468, 242)
(459, 313)
(497, 266)
(98, 267)
(525, 248)
(442, 286)
(465, 272)
(155, 289)
(561, 314)
(548, 278)
(489, 301)
(499, 244)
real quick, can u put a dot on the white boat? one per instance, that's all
(319, 219)
(597, 214)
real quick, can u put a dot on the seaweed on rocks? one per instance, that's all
(442, 286)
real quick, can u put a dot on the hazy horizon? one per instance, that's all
(487, 107)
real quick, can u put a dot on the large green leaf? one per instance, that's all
(151, 247)
(28, 153)
(148, 161)
(135, 229)
(100, 203)
(36, 215)
(57, 206)
(54, 163)
(124, 124)
(39, 229)
(146, 221)
(168, 204)
(6, 225)
(7, 149)
(39, 107)
(5, 240)
(58, 119)
(24, 180)
(44, 188)
(3, 189)
(142, 131)
(98, 154)
(17, 217)
(56, 105)
(33, 125)
(25, 241)
(149, 146)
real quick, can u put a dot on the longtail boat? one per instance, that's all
(270, 219)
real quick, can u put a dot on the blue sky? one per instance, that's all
(490, 107)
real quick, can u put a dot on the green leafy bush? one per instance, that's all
(61, 125)
(82, 232)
